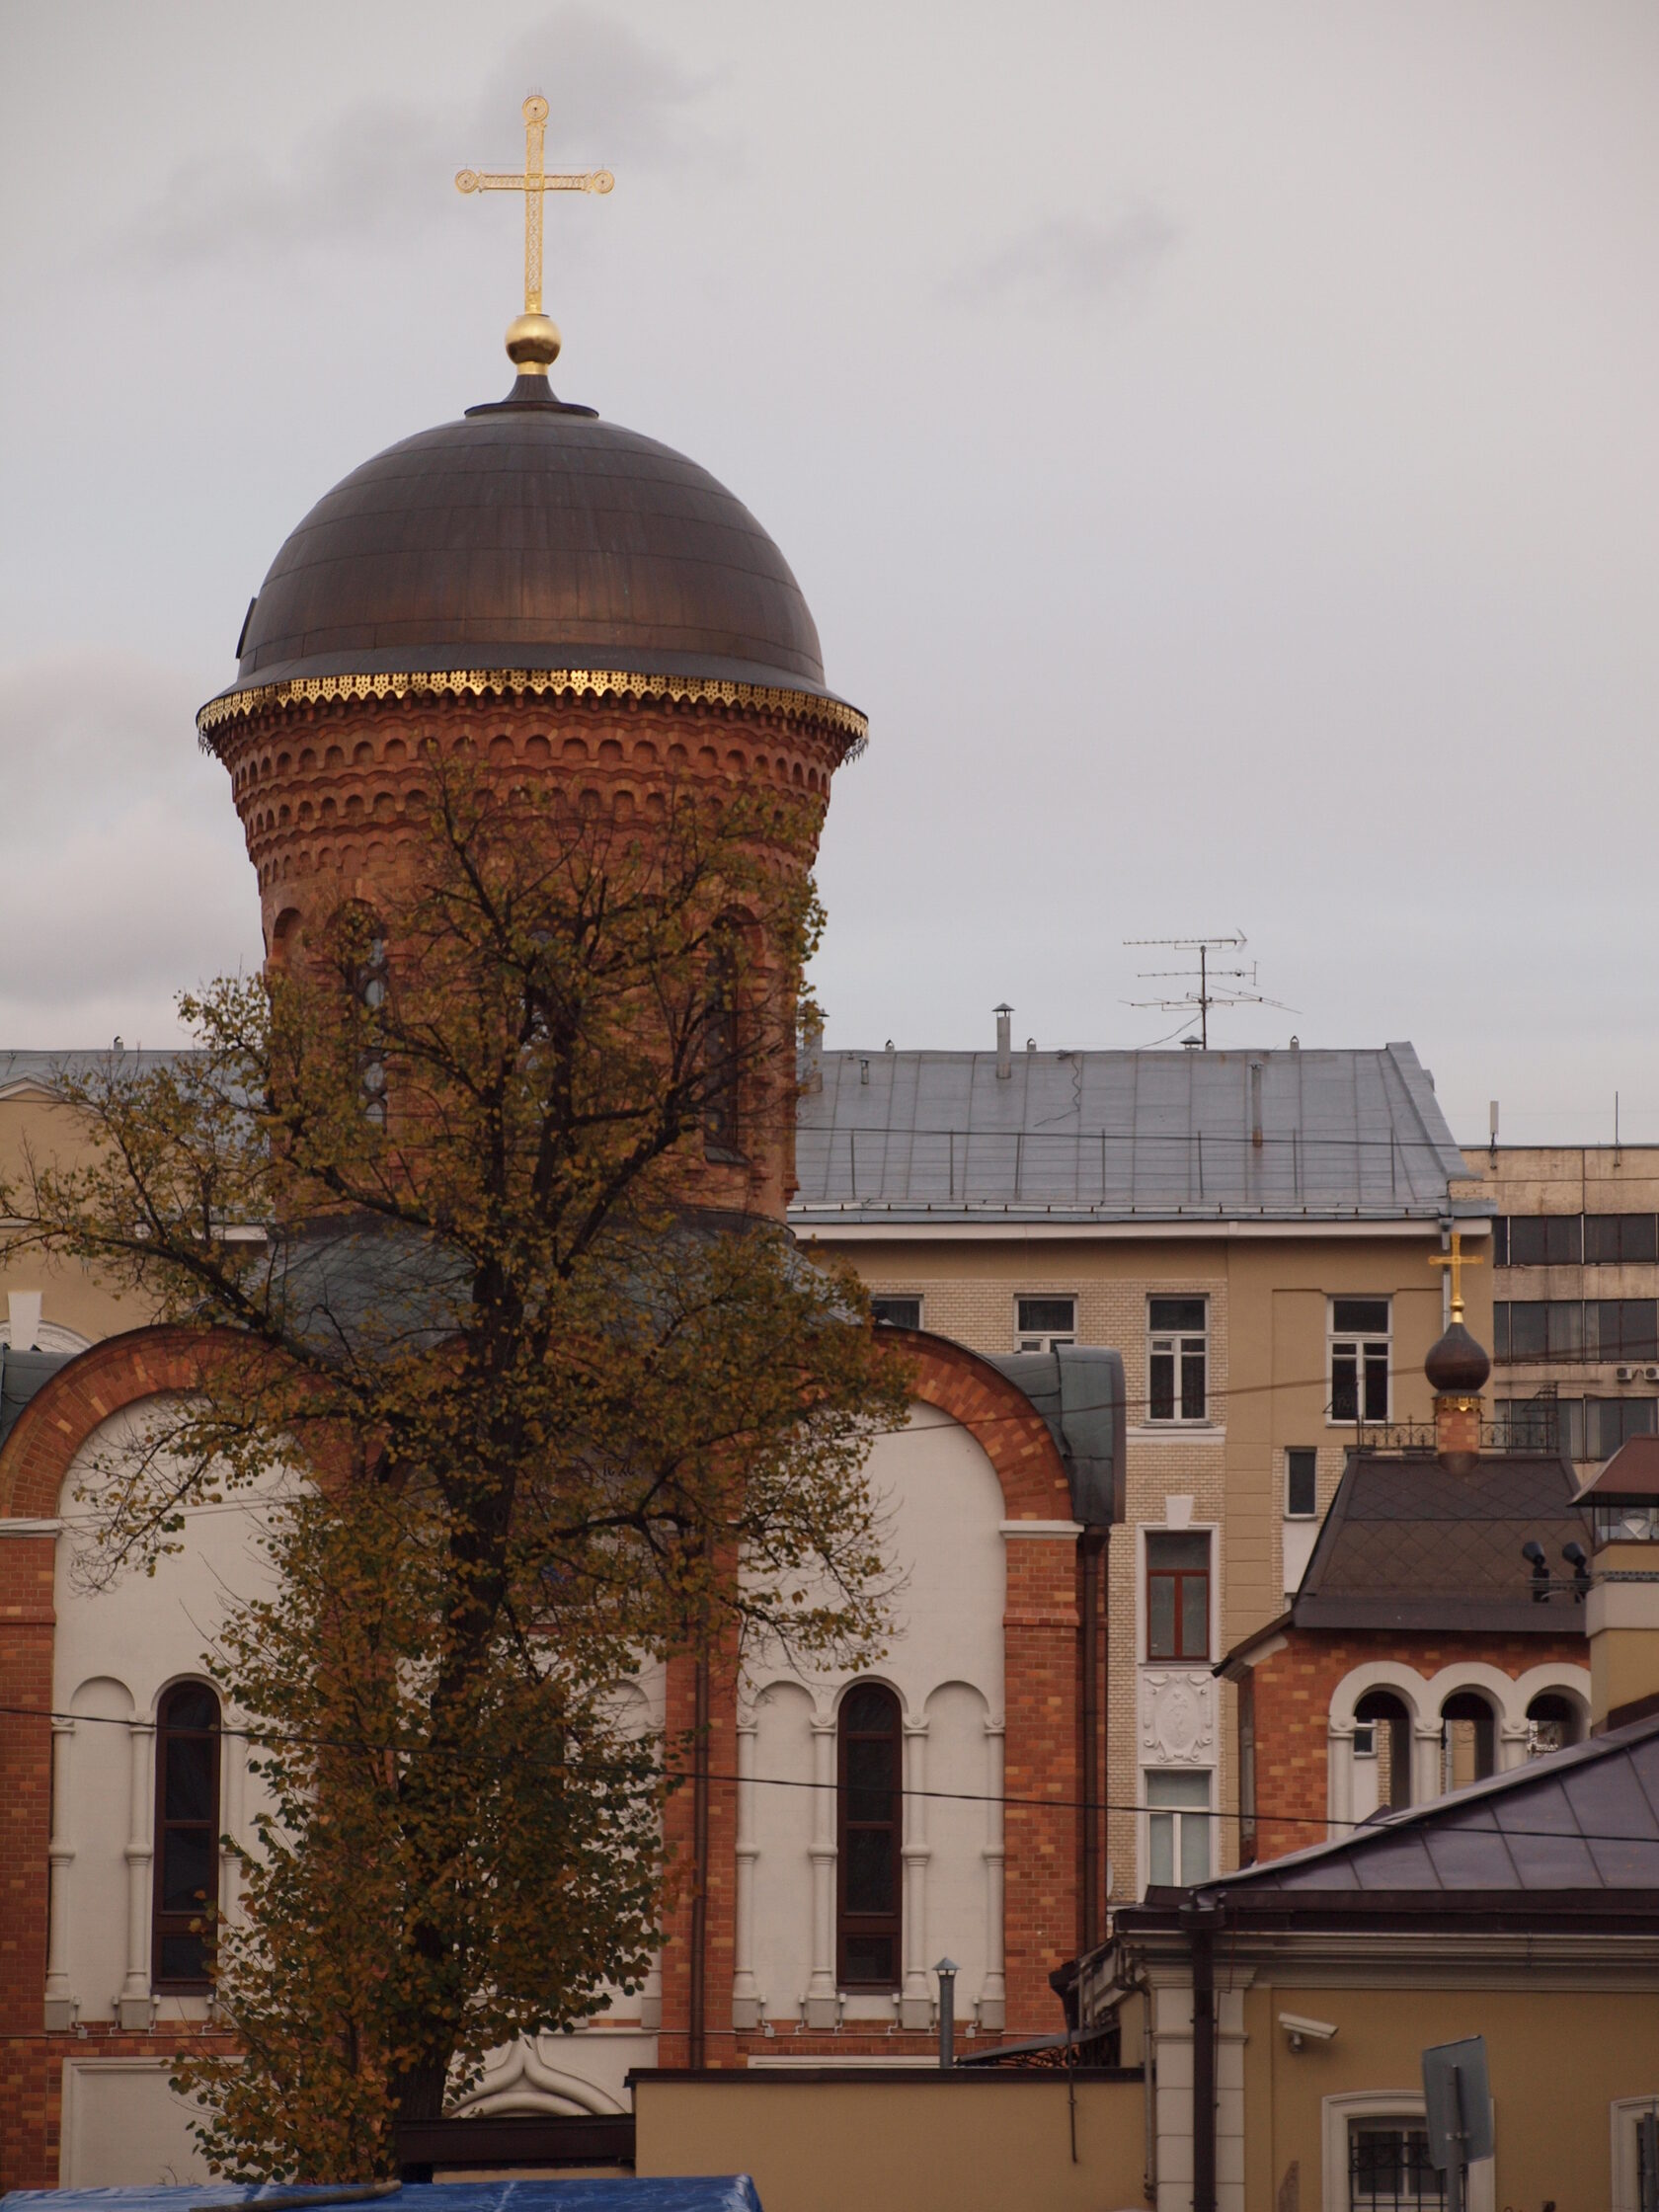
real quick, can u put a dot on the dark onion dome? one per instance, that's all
(1457, 1367)
(531, 536)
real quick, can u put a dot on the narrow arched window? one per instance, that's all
(187, 1837)
(867, 1842)
(1382, 1732)
(1469, 1740)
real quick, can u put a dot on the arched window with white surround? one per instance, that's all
(1469, 1740)
(187, 1838)
(868, 1910)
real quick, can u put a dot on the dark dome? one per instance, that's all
(531, 536)
(1456, 1366)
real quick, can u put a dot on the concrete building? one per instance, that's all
(1255, 1232)
(1575, 1291)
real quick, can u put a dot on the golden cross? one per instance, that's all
(532, 184)
(1457, 1260)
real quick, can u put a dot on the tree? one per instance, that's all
(447, 1201)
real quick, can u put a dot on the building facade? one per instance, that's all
(1254, 1234)
(1575, 1291)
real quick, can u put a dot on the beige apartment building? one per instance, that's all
(1254, 1233)
(1575, 1289)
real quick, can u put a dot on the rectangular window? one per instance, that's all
(1301, 1482)
(1177, 1595)
(1542, 1424)
(1500, 1241)
(1388, 2168)
(1545, 1240)
(1177, 1357)
(895, 1312)
(1619, 1238)
(1622, 1329)
(1611, 1422)
(1536, 1328)
(1040, 1324)
(1359, 1358)
(1178, 1829)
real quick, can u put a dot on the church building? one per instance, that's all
(580, 605)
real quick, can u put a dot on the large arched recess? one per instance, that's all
(120, 1372)
(997, 1414)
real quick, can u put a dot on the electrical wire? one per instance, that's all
(785, 1782)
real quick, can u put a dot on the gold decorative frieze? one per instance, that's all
(625, 683)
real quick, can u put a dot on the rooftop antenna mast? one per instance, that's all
(1205, 996)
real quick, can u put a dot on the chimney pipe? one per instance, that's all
(1004, 1043)
(1255, 1104)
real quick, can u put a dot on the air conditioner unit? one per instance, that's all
(1625, 1375)
(1650, 1374)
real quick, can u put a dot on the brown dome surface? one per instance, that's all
(1456, 1366)
(531, 536)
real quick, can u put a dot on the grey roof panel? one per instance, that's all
(894, 1136)
(1584, 1818)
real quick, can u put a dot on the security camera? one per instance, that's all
(1302, 2030)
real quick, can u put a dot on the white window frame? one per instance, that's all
(920, 1301)
(1175, 1343)
(1625, 2113)
(1038, 1340)
(1177, 1815)
(1291, 1513)
(1360, 1339)
(1383, 2105)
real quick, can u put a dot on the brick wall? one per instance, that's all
(1293, 1691)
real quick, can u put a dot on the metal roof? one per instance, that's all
(1586, 1818)
(896, 1137)
(1407, 1544)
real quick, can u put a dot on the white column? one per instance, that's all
(1339, 1778)
(993, 1997)
(1511, 1745)
(746, 1996)
(1427, 1779)
(915, 2005)
(233, 1810)
(60, 1856)
(134, 2007)
(823, 2001)
(651, 1994)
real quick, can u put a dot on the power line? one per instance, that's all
(783, 1781)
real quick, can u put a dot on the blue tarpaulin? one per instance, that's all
(697, 2192)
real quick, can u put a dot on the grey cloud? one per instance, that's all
(1072, 260)
(380, 169)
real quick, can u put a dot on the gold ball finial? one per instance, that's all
(535, 108)
(533, 343)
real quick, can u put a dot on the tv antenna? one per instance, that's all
(1205, 977)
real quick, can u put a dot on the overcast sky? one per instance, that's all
(1217, 443)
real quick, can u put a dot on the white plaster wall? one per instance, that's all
(943, 1512)
(956, 1835)
(783, 1830)
(122, 2127)
(94, 1772)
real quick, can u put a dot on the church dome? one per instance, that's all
(1457, 1365)
(531, 536)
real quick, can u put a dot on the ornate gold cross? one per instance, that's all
(1457, 1260)
(534, 182)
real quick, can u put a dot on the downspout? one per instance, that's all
(1204, 2065)
(695, 2040)
(1093, 1550)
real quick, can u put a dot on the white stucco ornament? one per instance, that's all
(1178, 1716)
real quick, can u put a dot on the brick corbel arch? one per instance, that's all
(120, 1371)
(999, 1417)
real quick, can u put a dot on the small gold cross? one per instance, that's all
(1457, 1260)
(534, 182)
